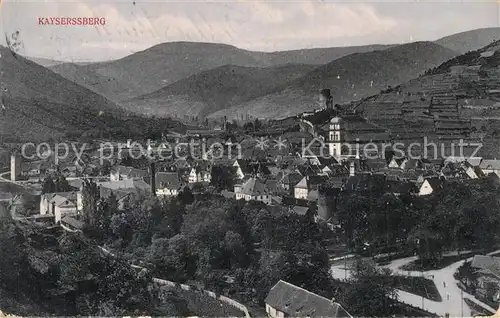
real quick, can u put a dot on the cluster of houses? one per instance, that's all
(87, 164)
(304, 182)
(297, 182)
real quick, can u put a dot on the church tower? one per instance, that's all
(335, 137)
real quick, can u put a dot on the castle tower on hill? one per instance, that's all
(326, 98)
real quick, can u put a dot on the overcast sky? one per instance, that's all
(248, 24)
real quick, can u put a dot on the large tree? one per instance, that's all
(370, 296)
(90, 200)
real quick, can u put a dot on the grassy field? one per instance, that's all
(420, 286)
(444, 262)
(401, 309)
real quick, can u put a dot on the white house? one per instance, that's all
(59, 205)
(253, 190)
(301, 189)
(239, 172)
(398, 163)
(490, 166)
(429, 186)
(474, 172)
(307, 184)
(288, 300)
(198, 175)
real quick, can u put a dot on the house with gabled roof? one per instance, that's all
(308, 184)
(430, 185)
(59, 204)
(396, 163)
(474, 172)
(72, 224)
(422, 175)
(325, 171)
(287, 180)
(238, 165)
(199, 175)
(288, 300)
(253, 189)
(490, 166)
(120, 172)
(168, 183)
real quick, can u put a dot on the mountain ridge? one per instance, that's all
(349, 78)
(218, 88)
(39, 104)
(470, 40)
(160, 65)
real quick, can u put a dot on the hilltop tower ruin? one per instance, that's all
(326, 98)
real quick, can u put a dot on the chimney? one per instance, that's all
(352, 171)
(152, 170)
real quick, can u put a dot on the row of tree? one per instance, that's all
(463, 215)
(208, 239)
(64, 274)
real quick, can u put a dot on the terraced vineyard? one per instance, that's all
(459, 100)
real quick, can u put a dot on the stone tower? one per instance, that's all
(15, 166)
(326, 98)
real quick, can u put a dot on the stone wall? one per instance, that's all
(164, 285)
(234, 308)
